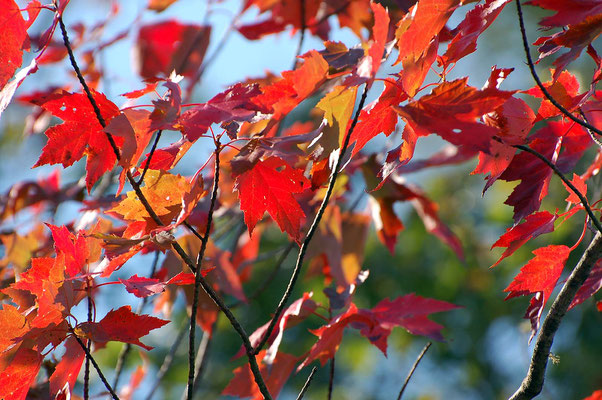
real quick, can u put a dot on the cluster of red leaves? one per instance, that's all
(279, 171)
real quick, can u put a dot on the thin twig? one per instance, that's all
(127, 347)
(266, 283)
(330, 14)
(554, 168)
(547, 94)
(95, 365)
(197, 281)
(208, 59)
(405, 383)
(591, 134)
(331, 377)
(307, 383)
(168, 360)
(194, 231)
(533, 382)
(88, 345)
(313, 227)
(201, 360)
(150, 156)
(302, 35)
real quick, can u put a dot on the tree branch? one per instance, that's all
(167, 360)
(314, 226)
(197, 281)
(94, 364)
(405, 383)
(554, 168)
(302, 36)
(127, 347)
(307, 383)
(533, 382)
(331, 377)
(187, 260)
(538, 81)
(150, 156)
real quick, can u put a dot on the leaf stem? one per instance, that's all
(331, 377)
(314, 225)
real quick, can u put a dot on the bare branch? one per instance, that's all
(533, 382)
(307, 383)
(95, 365)
(150, 156)
(554, 168)
(405, 383)
(167, 360)
(197, 281)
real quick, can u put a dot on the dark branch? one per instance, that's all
(95, 365)
(127, 347)
(307, 383)
(268, 280)
(150, 156)
(538, 81)
(584, 202)
(533, 382)
(88, 345)
(167, 361)
(197, 281)
(314, 225)
(302, 35)
(405, 383)
(331, 378)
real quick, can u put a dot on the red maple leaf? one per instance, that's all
(295, 313)
(234, 104)
(467, 32)
(269, 186)
(409, 311)
(453, 110)
(170, 45)
(20, 374)
(566, 138)
(535, 224)
(80, 134)
(378, 117)
(13, 33)
(120, 325)
(68, 368)
(539, 276)
(592, 284)
(275, 375)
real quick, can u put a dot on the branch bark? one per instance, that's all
(533, 382)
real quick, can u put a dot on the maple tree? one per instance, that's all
(264, 174)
